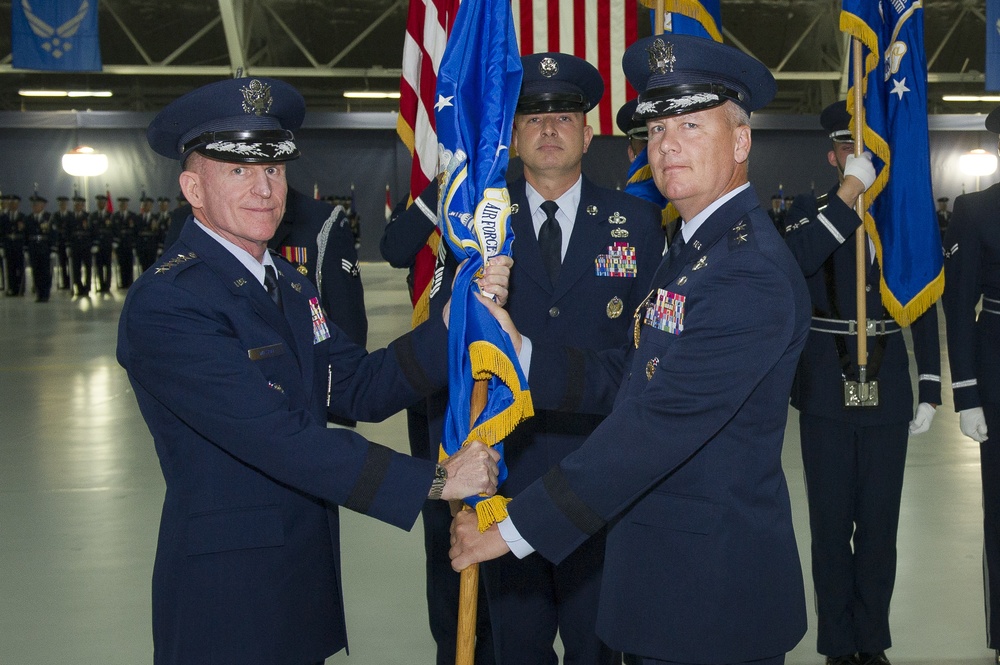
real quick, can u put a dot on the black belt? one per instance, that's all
(850, 326)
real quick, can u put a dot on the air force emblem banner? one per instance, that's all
(55, 35)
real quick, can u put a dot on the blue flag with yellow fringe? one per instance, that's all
(477, 89)
(900, 213)
(702, 18)
(55, 35)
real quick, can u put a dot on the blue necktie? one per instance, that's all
(271, 284)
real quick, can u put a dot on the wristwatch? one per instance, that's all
(437, 485)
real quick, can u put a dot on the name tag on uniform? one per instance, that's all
(262, 352)
(320, 330)
(667, 313)
(618, 262)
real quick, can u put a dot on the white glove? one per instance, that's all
(973, 423)
(922, 419)
(861, 168)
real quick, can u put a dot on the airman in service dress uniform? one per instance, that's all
(40, 243)
(585, 255)
(60, 225)
(149, 234)
(14, 231)
(124, 223)
(81, 242)
(685, 473)
(235, 366)
(853, 452)
(972, 272)
(103, 231)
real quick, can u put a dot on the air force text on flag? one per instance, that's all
(58, 35)
(900, 204)
(478, 85)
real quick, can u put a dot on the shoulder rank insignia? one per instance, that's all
(176, 261)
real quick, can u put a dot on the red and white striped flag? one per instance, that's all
(598, 31)
(427, 26)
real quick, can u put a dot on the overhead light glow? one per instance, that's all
(84, 161)
(978, 162)
(972, 98)
(370, 94)
(64, 93)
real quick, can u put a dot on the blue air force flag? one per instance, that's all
(900, 205)
(55, 35)
(477, 89)
(993, 46)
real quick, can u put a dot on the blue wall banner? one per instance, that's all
(55, 35)
(993, 46)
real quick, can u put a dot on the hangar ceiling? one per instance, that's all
(155, 50)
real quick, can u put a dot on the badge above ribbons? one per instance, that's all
(55, 35)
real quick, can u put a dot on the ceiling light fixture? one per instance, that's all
(64, 93)
(370, 94)
(972, 98)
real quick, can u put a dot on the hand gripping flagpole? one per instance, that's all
(468, 588)
(861, 239)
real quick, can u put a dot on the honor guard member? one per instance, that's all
(972, 274)
(15, 237)
(776, 214)
(81, 242)
(585, 256)
(104, 243)
(685, 473)
(235, 366)
(60, 227)
(4, 230)
(634, 130)
(943, 215)
(125, 224)
(41, 244)
(853, 445)
(148, 234)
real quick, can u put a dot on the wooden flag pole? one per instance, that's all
(468, 590)
(861, 239)
(658, 26)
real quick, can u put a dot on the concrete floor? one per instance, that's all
(80, 493)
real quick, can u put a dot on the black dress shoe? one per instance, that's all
(849, 659)
(873, 658)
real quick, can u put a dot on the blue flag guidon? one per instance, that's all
(55, 35)
(477, 88)
(900, 212)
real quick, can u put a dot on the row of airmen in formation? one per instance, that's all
(78, 242)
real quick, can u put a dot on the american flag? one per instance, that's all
(427, 26)
(598, 31)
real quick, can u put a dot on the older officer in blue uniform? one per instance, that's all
(585, 255)
(853, 452)
(972, 271)
(234, 366)
(701, 563)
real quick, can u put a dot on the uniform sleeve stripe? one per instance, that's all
(574, 380)
(370, 479)
(419, 202)
(929, 377)
(407, 358)
(831, 228)
(963, 384)
(567, 501)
